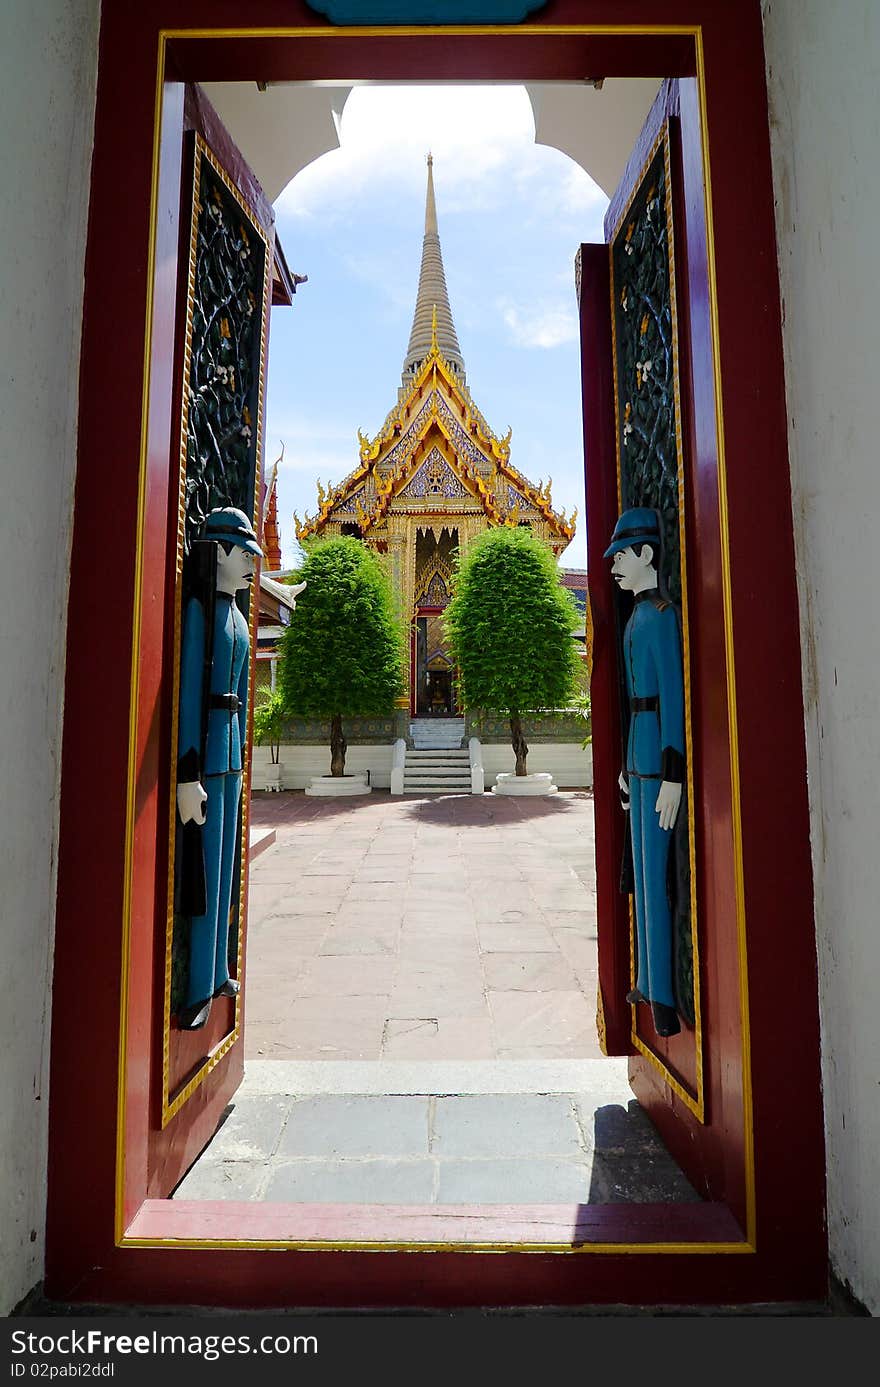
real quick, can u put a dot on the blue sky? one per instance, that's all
(511, 215)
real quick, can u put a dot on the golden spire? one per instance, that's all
(432, 300)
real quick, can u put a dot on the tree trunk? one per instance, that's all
(338, 746)
(518, 741)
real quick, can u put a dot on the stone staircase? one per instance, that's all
(437, 764)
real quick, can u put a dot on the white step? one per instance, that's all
(437, 722)
(438, 764)
(440, 734)
(428, 739)
(436, 780)
(449, 757)
(428, 767)
(436, 771)
(433, 789)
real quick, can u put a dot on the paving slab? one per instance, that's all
(605, 1080)
(527, 972)
(639, 1179)
(542, 1018)
(518, 1181)
(436, 1000)
(251, 1129)
(353, 1182)
(616, 1129)
(438, 1038)
(344, 975)
(505, 1125)
(237, 1180)
(417, 900)
(367, 937)
(332, 1126)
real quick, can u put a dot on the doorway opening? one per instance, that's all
(721, 1139)
(431, 962)
(430, 558)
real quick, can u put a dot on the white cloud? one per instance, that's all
(473, 133)
(382, 273)
(314, 446)
(539, 325)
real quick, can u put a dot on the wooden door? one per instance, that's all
(644, 386)
(223, 292)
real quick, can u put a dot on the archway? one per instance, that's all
(757, 1245)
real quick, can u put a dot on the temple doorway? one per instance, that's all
(433, 687)
(748, 1239)
(447, 932)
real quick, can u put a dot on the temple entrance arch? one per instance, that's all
(760, 1235)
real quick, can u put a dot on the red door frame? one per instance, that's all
(120, 1245)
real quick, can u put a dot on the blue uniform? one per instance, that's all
(220, 775)
(655, 752)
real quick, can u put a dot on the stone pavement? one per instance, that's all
(435, 928)
(420, 1016)
(436, 1148)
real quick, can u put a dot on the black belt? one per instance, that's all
(645, 705)
(227, 703)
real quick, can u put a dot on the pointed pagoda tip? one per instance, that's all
(430, 205)
(432, 290)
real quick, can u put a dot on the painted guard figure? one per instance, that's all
(652, 778)
(214, 669)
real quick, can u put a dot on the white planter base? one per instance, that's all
(337, 785)
(539, 784)
(273, 775)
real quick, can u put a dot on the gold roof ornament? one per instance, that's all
(432, 318)
(435, 410)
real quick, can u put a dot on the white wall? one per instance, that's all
(570, 765)
(300, 763)
(595, 127)
(281, 130)
(48, 65)
(823, 66)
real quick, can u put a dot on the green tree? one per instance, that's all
(510, 625)
(269, 720)
(342, 654)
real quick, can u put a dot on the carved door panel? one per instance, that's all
(223, 299)
(649, 398)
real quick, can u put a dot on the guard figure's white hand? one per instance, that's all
(191, 799)
(668, 801)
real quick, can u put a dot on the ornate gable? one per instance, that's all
(435, 451)
(434, 479)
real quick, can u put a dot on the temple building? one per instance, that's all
(276, 601)
(433, 478)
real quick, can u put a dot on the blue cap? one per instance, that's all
(641, 525)
(231, 525)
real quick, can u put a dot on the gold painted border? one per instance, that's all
(696, 1103)
(130, 815)
(685, 30)
(525, 1249)
(727, 602)
(171, 1106)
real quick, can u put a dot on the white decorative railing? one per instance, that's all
(478, 775)
(398, 762)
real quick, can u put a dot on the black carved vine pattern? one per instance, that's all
(224, 370)
(222, 396)
(648, 445)
(645, 364)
